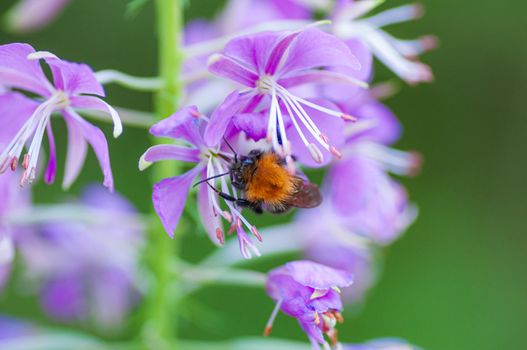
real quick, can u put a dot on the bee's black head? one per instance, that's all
(243, 168)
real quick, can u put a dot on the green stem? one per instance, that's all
(160, 328)
(109, 76)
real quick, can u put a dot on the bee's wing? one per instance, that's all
(307, 195)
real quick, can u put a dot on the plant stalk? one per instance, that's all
(160, 327)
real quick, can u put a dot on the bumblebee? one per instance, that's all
(266, 184)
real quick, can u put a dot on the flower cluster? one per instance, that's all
(82, 257)
(74, 87)
(304, 94)
(268, 99)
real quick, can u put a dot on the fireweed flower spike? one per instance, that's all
(271, 65)
(310, 292)
(211, 159)
(73, 88)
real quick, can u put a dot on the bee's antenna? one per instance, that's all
(210, 178)
(232, 149)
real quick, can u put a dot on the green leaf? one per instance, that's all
(134, 7)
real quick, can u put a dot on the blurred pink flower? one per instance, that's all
(31, 15)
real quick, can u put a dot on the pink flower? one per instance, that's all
(74, 86)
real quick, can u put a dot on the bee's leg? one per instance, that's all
(257, 208)
(239, 201)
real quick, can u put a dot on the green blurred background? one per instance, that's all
(457, 279)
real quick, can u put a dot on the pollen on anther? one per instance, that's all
(220, 236)
(335, 152)
(317, 319)
(267, 331)
(25, 162)
(315, 153)
(348, 117)
(324, 138)
(14, 163)
(195, 114)
(256, 233)
(227, 216)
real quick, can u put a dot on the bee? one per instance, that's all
(266, 184)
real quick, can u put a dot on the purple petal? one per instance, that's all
(331, 301)
(111, 298)
(11, 328)
(382, 344)
(184, 124)
(291, 9)
(371, 203)
(7, 248)
(97, 140)
(387, 129)
(318, 276)
(342, 91)
(344, 83)
(30, 15)
(199, 30)
(331, 126)
(234, 17)
(221, 117)
(331, 249)
(365, 57)
(97, 197)
(253, 102)
(314, 48)
(313, 332)
(281, 286)
(17, 71)
(210, 221)
(278, 52)
(252, 51)
(94, 103)
(169, 197)
(350, 183)
(171, 152)
(51, 169)
(226, 67)
(15, 110)
(74, 78)
(254, 125)
(63, 299)
(75, 154)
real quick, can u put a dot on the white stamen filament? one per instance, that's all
(308, 123)
(34, 127)
(358, 9)
(395, 161)
(325, 110)
(235, 212)
(412, 48)
(212, 194)
(270, 322)
(272, 124)
(396, 15)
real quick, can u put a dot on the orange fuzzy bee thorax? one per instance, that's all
(269, 181)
